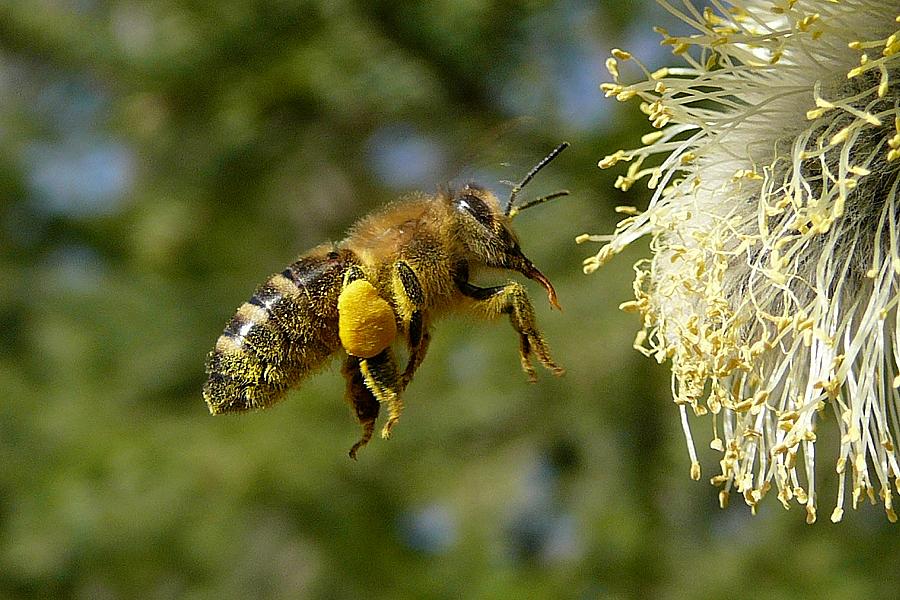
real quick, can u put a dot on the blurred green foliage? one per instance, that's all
(159, 160)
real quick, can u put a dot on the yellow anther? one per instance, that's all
(612, 65)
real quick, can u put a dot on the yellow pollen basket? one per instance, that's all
(366, 322)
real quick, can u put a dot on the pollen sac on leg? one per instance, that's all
(366, 322)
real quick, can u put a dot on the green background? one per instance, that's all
(160, 160)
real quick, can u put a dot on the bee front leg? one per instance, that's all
(410, 299)
(512, 299)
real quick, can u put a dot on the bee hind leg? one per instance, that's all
(367, 327)
(365, 404)
(382, 378)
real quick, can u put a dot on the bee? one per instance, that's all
(386, 282)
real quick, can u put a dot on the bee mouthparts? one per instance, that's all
(531, 272)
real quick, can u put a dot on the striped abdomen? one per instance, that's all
(288, 328)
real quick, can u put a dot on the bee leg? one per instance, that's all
(416, 356)
(410, 300)
(367, 327)
(381, 377)
(365, 405)
(352, 273)
(512, 299)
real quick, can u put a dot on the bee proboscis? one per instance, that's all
(386, 282)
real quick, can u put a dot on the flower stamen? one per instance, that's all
(775, 279)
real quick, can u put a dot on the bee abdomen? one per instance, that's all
(286, 330)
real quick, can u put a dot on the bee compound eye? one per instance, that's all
(476, 207)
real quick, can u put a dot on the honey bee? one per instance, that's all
(397, 270)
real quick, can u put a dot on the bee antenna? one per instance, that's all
(517, 209)
(518, 187)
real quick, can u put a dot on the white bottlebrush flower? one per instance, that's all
(774, 283)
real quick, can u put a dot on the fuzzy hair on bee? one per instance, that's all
(397, 271)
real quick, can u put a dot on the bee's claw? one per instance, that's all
(366, 436)
(386, 430)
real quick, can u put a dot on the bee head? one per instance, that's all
(486, 230)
